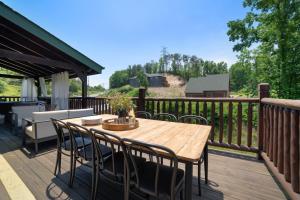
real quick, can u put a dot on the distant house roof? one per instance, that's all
(218, 82)
(154, 75)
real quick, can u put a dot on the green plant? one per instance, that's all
(120, 104)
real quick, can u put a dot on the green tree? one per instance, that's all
(118, 79)
(240, 74)
(272, 31)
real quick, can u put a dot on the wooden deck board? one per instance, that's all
(230, 177)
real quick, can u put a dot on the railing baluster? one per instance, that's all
(176, 107)
(212, 121)
(280, 141)
(205, 109)
(182, 107)
(158, 106)
(229, 123)
(239, 125)
(197, 108)
(221, 122)
(287, 137)
(271, 133)
(190, 107)
(250, 113)
(164, 106)
(275, 135)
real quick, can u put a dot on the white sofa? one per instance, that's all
(41, 128)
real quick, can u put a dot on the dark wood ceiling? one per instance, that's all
(32, 56)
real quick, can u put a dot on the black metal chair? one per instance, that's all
(111, 168)
(63, 143)
(151, 177)
(143, 114)
(165, 117)
(204, 157)
(82, 136)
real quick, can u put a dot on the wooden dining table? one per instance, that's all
(188, 141)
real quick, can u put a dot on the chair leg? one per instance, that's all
(97, 175)
(74, 170)
(57, 162)
(181, 195)
(71, 169)
(199, 178)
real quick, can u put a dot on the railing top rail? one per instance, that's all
(286, 103)
(253, 100)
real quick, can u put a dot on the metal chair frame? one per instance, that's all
(204, 157)
(117, 145)
(152, 149)
(165, 117)
(59, 127)
(143, 114)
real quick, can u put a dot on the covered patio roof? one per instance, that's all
(31, 51)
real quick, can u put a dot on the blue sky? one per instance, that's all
(116, 33)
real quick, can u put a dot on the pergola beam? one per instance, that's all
(11, 76)
(38, 60)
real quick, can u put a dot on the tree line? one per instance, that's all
(182, 65)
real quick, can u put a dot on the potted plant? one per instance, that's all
(120, 104)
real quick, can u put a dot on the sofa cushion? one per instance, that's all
(81, 113)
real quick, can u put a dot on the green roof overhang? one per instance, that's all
(21, 21)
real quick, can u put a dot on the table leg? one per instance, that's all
(188, 180)
(206, 163)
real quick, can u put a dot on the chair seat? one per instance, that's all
(119, 165)
(80, 143)
(148, 170)
(106, 151)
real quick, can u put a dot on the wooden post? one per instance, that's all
(141, 100)
(84, 90)
(263, 92)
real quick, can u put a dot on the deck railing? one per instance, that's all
(280, 140)
(233, 120)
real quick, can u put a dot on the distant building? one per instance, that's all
(154, 80)
(209, 86)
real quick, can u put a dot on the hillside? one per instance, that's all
(176, 89)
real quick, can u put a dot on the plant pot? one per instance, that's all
(122, 113)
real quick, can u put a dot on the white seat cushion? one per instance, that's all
(28, 131)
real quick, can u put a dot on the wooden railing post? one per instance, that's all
(141, 100)
(263, 92)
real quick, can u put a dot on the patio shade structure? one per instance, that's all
(32, 52)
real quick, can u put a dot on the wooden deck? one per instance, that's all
(230, 176)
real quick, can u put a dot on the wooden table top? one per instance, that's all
(186, 140)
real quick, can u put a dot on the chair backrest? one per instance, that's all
(112, 141)
(60, 128)
(193, 119)
(165, 117)
(77, 131)
(156, 152)
(143, 114)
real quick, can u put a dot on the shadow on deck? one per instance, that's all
(231, 176)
